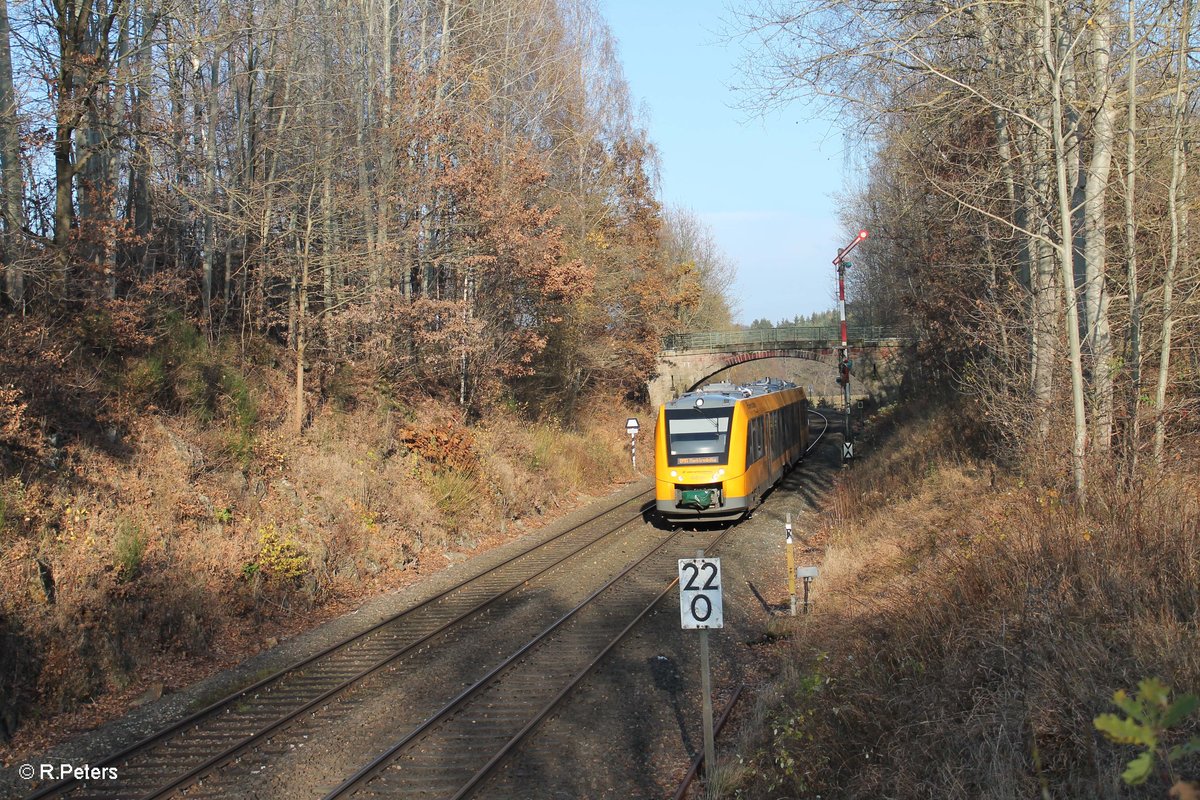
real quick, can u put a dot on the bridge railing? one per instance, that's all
(767, 336)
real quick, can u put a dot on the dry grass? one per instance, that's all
(971, 629)
(187, 553)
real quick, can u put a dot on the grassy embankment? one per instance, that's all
(971, 624)
(196, 530)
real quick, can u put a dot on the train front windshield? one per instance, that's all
(698, 436)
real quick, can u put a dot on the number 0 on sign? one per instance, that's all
(700, 603)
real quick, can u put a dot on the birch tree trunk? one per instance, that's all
(1044, 304)
(304, 253)
(386, 178)
(1054, 53)
(1178, 216)
(1095, 243)
(13, 208)
(207, 124)
(140, 103)
(1133, 401)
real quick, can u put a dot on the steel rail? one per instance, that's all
(221, 759)
(495, 761)
(385, 759)
(824, 419)
(699, 759)
(62, 787)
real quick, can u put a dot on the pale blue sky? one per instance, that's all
(764, 186)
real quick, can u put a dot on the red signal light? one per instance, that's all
(862, 234)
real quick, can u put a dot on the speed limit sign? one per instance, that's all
(700, 603)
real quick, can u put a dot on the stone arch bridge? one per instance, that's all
(690, 359)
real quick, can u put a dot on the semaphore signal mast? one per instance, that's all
(844, 361)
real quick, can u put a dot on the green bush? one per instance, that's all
(278, 558)
(144, 380)
(129, 548)
(454, 494)
(239, 406)
(182, 371)
(1148, 720)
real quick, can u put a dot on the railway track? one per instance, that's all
(824, 430)
(444, 745)
(455, 750)
(197, 746)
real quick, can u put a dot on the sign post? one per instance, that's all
(791, 562)
(631, 427)
(701, 607)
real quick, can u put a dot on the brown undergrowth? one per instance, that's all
(970, 627)
(196, 530)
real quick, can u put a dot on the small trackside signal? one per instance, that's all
(862, 234)
(843, 372)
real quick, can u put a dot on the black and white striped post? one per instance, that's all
(791, 561)
(631, 427)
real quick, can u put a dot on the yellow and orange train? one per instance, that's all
(719, 449)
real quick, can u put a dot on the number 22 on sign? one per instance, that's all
(700, 600)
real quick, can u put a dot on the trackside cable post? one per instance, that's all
(808, 575)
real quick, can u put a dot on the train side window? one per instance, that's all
(754, 441)
(769, 441)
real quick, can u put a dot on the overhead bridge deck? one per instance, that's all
(689, 359)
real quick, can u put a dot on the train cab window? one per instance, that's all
(696, 436)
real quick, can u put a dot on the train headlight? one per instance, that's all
(720, 472)
(674, 474)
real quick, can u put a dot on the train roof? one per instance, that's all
(716, 395)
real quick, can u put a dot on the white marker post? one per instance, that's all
(632, 427)
(791, 561)
(701, 608)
